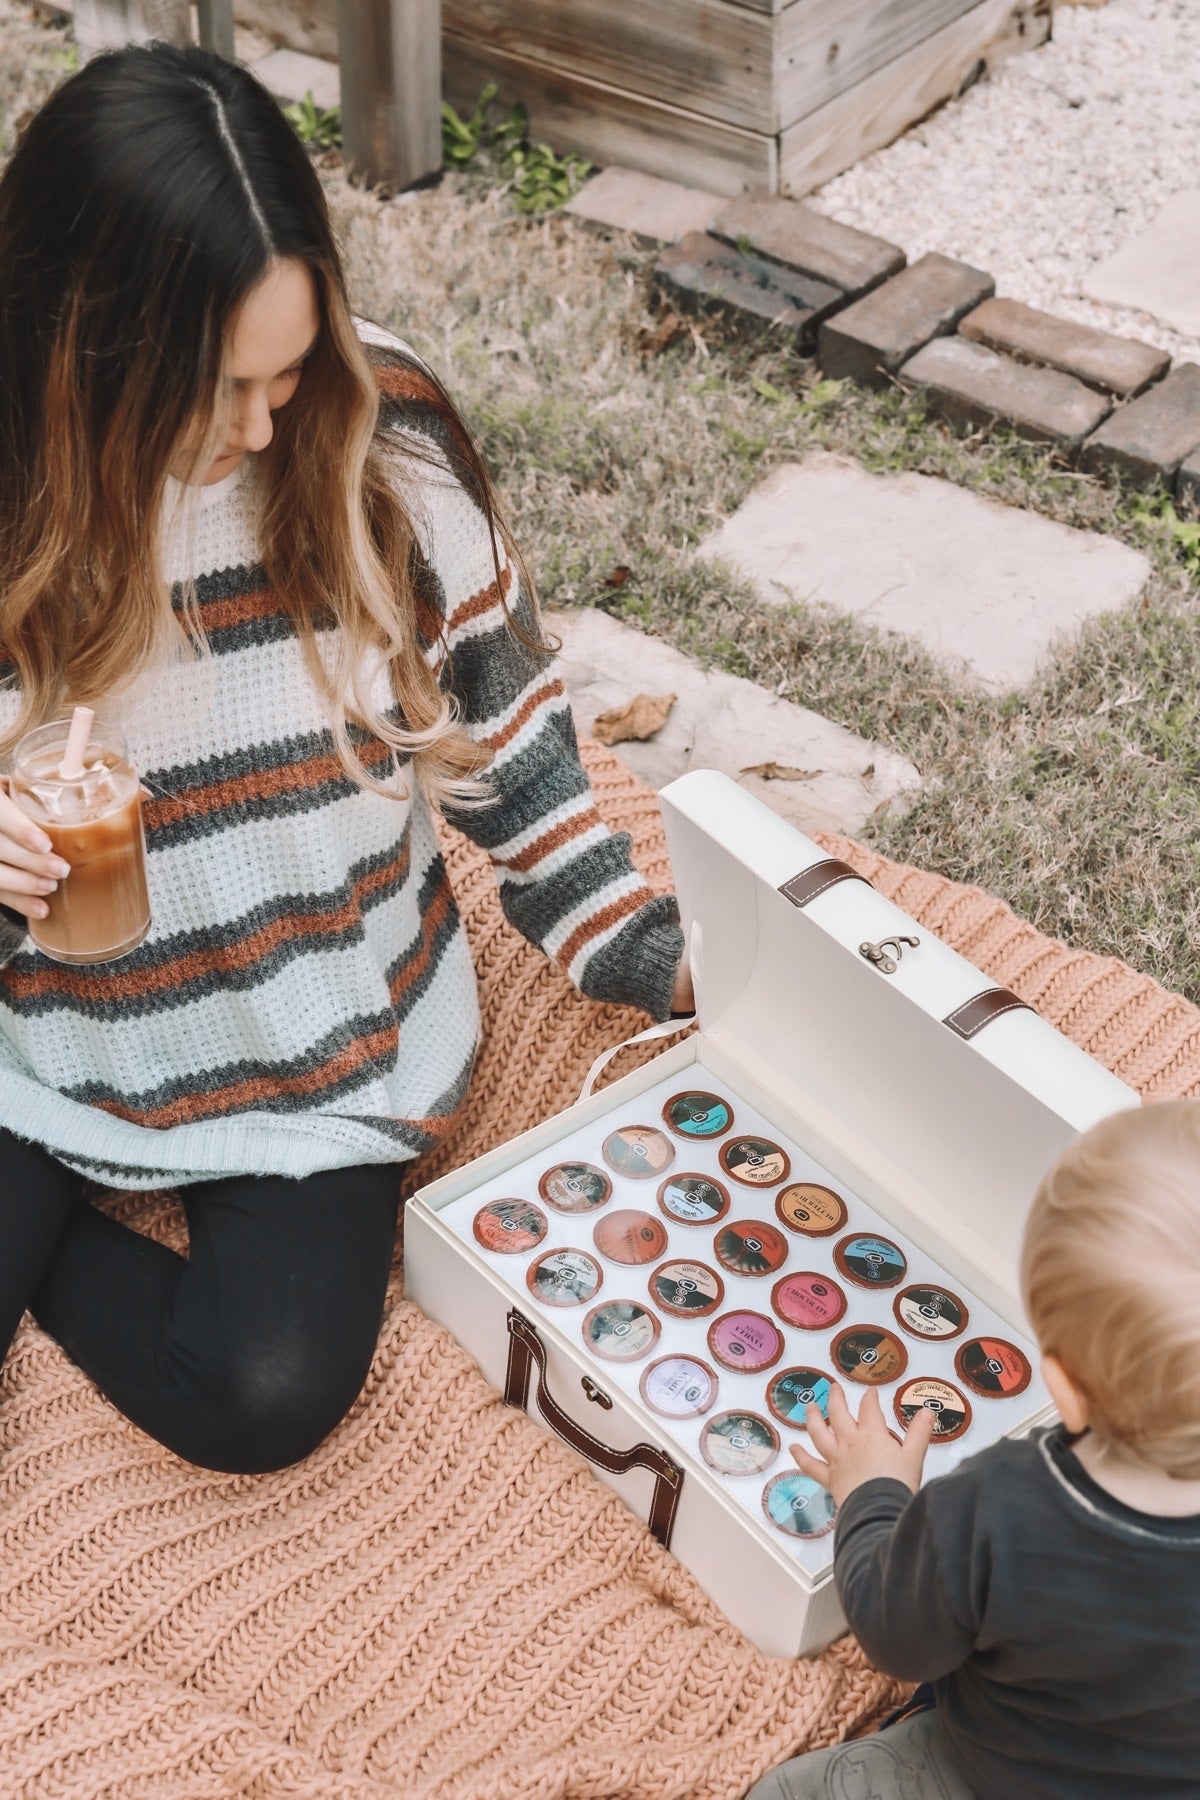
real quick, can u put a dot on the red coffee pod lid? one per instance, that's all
(564, 1277)
(870, 1354)
(951, 1410)
(750, 1247)
(809, 1301)
(575, 1187)
(693, 1199)
(739, 1443)
(754, 1161)
(509, 1226)
(993, 1367)
(629, 1236)
(689, 1290)
(638, 1151)
(621, 1330)
(930, 1312)
(745, 1341)
(812, 1210)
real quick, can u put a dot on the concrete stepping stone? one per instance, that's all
(653, 210)
(720, 721)
(869, 340)
(1158, 272)
(804, 239)
(290, 74)
(973, 386)
(1147, 439)
(985, 587)
(1117, 365)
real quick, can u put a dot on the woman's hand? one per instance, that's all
(858, 1450)
(683, 997)
(28, 866)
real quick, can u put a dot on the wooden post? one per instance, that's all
(216, 26)
(390, 53)
(107, 24)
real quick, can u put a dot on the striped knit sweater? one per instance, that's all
(305, 998)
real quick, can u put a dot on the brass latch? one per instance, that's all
(878, 953)
(596, 1394)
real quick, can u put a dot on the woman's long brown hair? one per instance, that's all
(150, 194)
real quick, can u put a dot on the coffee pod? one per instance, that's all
(698, 1114)
(678, 1387)
(869, 1354)
(750, 1247)
(638, 1151)
(754, 1161)
(575, 1187)
(621, 1330)
(873, 1262)
(745, 1342)
(930, 1312)
(629, 1236)
(951, 1410)
(809, 1301)
(564, 1277)
(810, 1209)
(798, 1505)
(739, 1443)
(693, 1199)
(688, 1290)
(993, 1367)
(508, 1226)
(791, 1392)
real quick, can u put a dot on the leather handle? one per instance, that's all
(818, 880)
(981, 1009)
(525, 1348)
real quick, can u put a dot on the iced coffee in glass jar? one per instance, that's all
(89, 805)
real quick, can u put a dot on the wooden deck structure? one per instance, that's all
(391, 71)
(775, 95)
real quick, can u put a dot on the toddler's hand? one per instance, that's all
(858, 1450)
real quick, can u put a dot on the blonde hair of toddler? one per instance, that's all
(1110, 1273)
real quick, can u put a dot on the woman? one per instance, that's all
(276, 563)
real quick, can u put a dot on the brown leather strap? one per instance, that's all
(525, 1348)
(823, 875)
(979, 1011)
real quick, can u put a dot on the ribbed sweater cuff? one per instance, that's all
(639, 965)
(12, 933)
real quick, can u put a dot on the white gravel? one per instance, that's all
(1052, 163)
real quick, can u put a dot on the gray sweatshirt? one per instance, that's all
(1061, 1628)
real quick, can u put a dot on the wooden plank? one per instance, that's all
(875, 112)
(829, 46)
(215, 21)
(108, 24)
(705, 56)
(612, 126)
(391, 76)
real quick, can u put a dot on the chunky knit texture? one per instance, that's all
(442, 1603)
(305, 998)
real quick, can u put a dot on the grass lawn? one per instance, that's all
(1077, 800)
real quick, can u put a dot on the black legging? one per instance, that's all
(243, 1355)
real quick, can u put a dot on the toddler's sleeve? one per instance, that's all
(906, 1575)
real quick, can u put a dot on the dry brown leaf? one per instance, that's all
(773, 771)
(639, 718)
(618, 577)
(652, 340)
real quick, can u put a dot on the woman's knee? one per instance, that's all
(267, 1405)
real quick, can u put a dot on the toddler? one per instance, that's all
(1048, 1588)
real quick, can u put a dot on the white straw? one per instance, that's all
(71, 766)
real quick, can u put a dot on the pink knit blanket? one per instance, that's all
(442, 1602)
